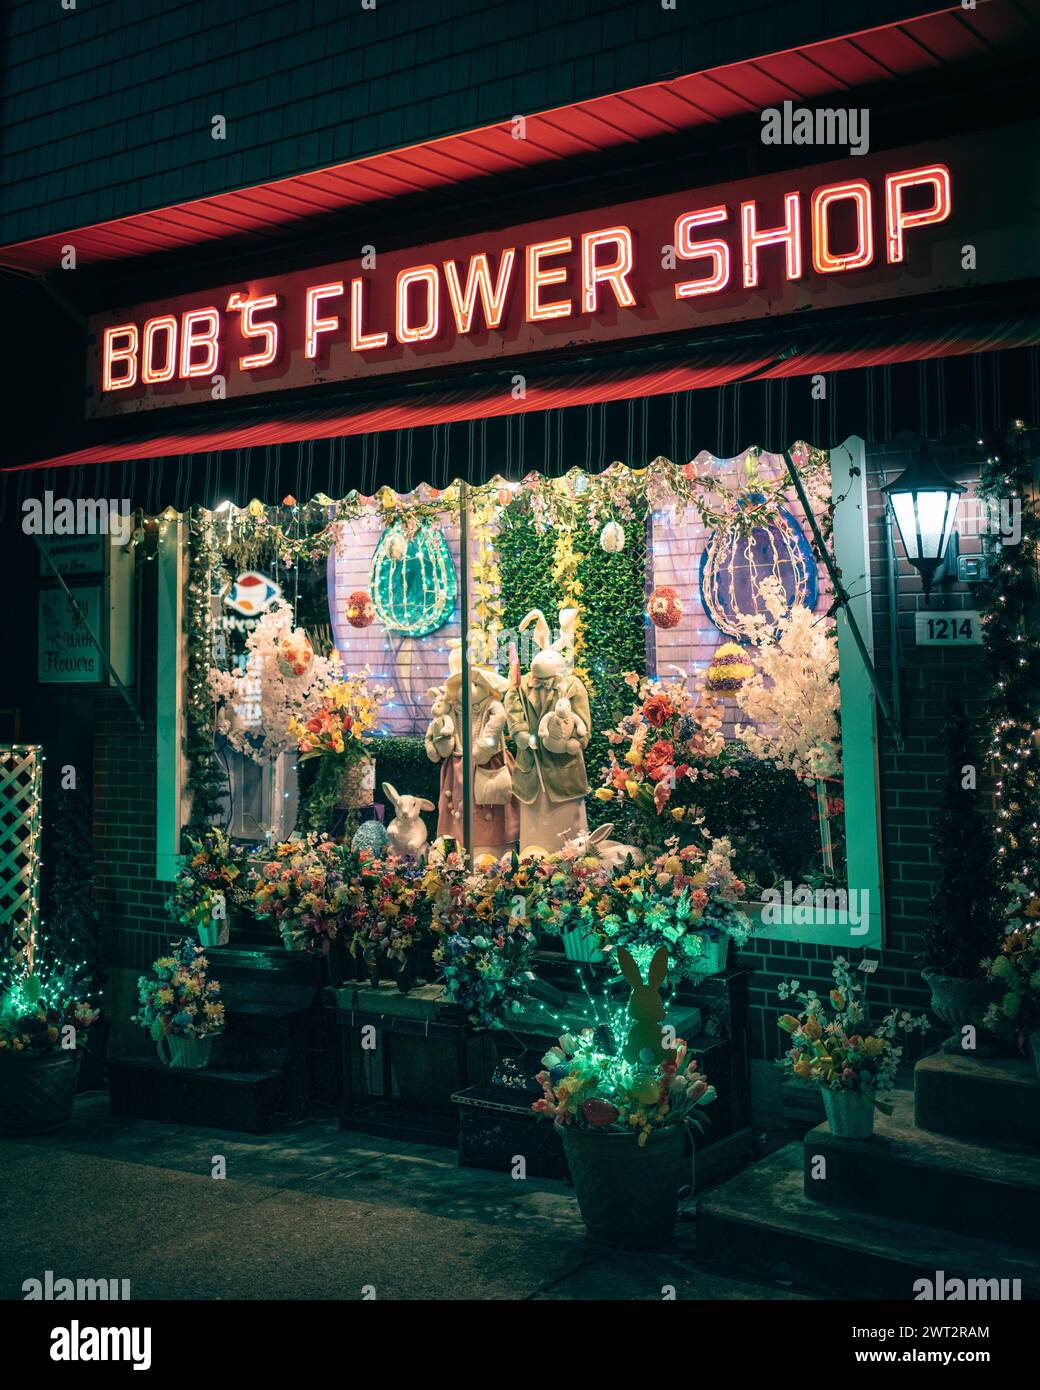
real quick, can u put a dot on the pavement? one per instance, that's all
(308, 1213)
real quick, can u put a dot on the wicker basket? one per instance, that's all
(37, 1090)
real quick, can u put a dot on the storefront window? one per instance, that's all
(653, 663)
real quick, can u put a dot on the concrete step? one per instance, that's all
(761, 1223)
(938, 1180)
(215, 1098)
(995, 1100)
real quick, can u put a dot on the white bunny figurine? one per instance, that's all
(442, 726)
(560, 724)
(407, 830)
(611, 853)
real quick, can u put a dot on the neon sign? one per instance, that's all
(807, 238)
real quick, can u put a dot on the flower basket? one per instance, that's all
(187, 1053)
(712, 960)
(356, 787)
(37, 1090)
(850, 1114)
(581, 944)
(628, 1195)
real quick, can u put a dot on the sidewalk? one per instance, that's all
(310, 1213)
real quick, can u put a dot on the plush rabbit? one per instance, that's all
(407, 830)
(441, 725)
(559, 725)
(491, 733)
(611, 853)
(645, 1008)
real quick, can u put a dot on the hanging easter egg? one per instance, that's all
(295, 653)
(729, 669)
(397, 545)
(370, 835)
(580, 483)
(612, 538)
(736, 561)
(255, 508)
(665, 607)
(412, 581)
(360, 609)
(504, 497)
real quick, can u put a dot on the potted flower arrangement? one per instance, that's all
(623, 1103)
(336, 733)
(684, 900)
(305, 887)
(485, 943)
(567, 897)
(387, 912)
(851, 1063)
(199, 897)
(669, 741)
(1015, 973)
(180, 1007)
(43, 1027)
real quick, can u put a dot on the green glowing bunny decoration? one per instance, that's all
(645, 1008)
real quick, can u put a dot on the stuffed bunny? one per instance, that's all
(440, 732)
(494, 726)
(611, 853)
(407, 830)
(559, 725)
(645, 1008)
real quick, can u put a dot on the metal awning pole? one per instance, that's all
(841, 600)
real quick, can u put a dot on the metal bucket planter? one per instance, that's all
(37, 1090)
(1034, 1047)
(581, 944)
(850, 1114)
(959, 1002)
(627, 1195)
(209, 932)
(712, 960)
(188, 1054)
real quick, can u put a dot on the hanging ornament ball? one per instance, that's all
(581, 483)
(256, 507)
(612, 537)
(504, 497)
(370, 835)
(397, 545)
(729, 669)
(665, 607)
(295, 653)
(361, 610)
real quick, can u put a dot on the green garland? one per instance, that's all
(205, 781)
(613, 621)
(1012, 648)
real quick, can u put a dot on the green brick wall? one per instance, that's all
(106, 109)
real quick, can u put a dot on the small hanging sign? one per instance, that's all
(954, 629)
(66, 652)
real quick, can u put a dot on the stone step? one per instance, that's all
(935, 1179)
(994, 1100)
(143, 1089)
(761, 1223)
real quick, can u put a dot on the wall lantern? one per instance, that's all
(925, 503)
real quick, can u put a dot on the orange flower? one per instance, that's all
(656, 710)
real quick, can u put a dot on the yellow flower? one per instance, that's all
(678, 812)
(634, 757)
(632, 788)
(873, 1047)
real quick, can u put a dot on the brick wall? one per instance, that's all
(107, 108)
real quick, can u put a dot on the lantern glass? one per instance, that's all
(926, 518)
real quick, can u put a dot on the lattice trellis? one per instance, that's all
(21, 786)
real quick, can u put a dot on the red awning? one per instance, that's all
(835, 352)
(265, 213)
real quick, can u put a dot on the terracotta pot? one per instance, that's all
(959, 1003)
(628, 1195)
(37, 1090)
(850, 1114)
(189, 1054)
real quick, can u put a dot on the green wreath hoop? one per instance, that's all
(412, 581)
